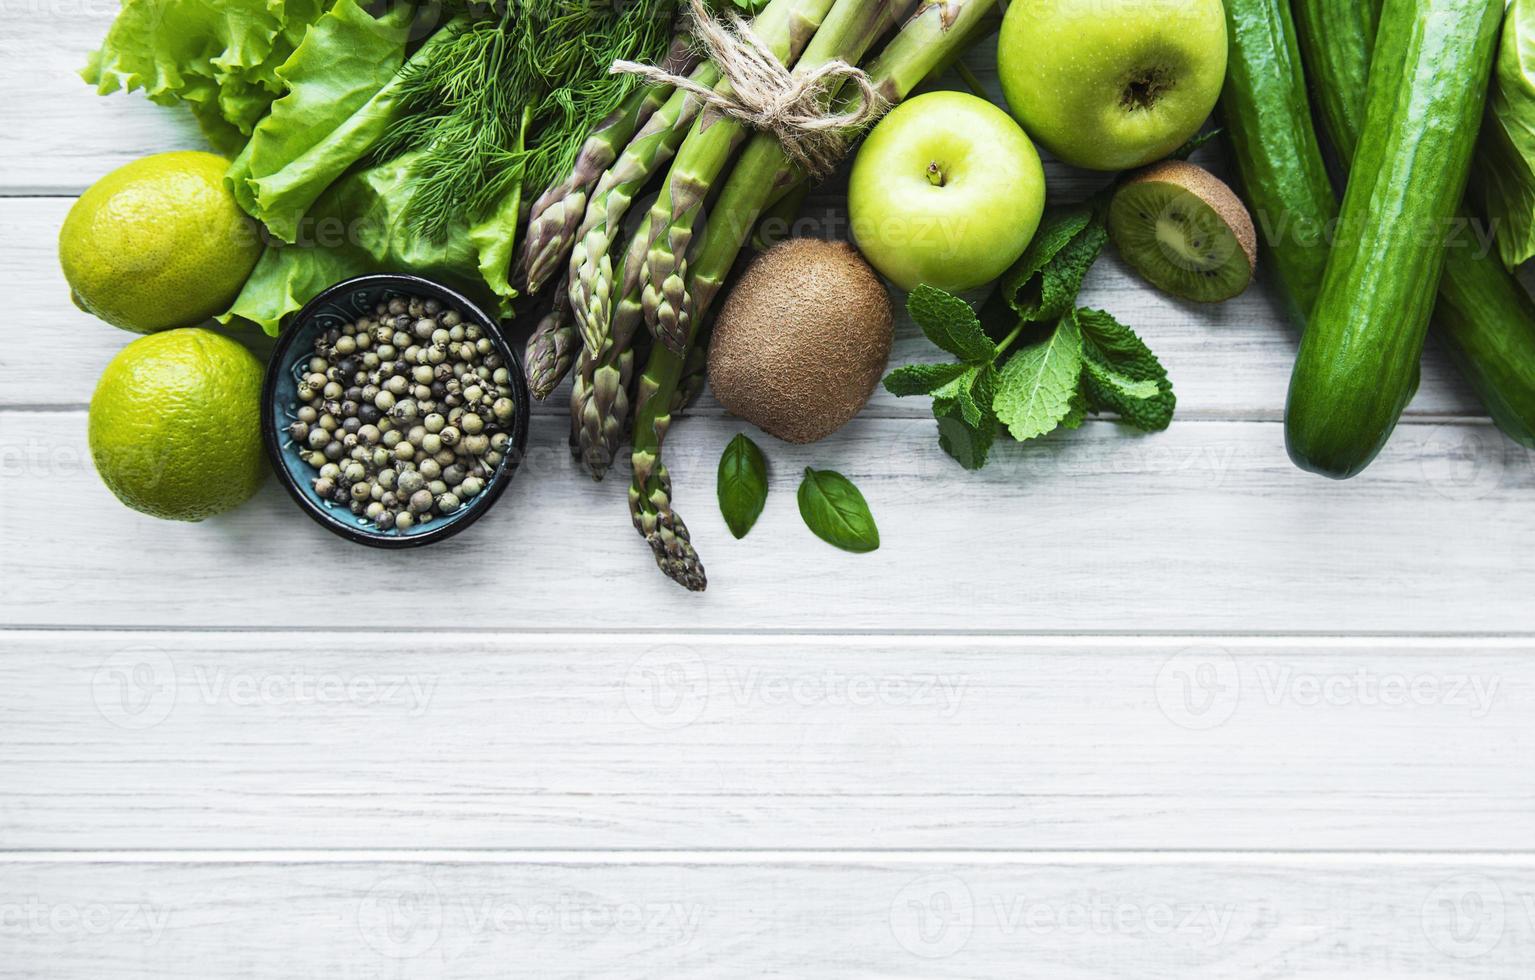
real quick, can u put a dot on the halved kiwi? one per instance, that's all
(1185, 232)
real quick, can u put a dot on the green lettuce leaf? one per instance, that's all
(359, 227)
(220, 57)
(328, 119)
(1506, 153)
(343, 94)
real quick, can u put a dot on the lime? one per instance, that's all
(158, 243)
(175, 427)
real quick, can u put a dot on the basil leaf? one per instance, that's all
(742, 486)
(836, 512)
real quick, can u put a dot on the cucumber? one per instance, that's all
(1279, 162)
(1358, 361)
(1484, 314)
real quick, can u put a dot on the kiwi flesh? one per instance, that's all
(802, 341)
(1185, 232)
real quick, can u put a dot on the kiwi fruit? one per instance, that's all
(1185, 232)
(802, 341)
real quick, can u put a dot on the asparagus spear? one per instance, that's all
(784, 26)
(600, 405)
(599, 400)
(927, 39)
(551, 347)
(709, 147)
(557, 213)
(591, 268)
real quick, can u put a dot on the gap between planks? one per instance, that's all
(768, 858)
(1150, 639)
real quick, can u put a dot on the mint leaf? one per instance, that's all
(969, 444)
(1076, 413)
(1119, 384)
(1043, 284)
(975, 396)
(921, 379)
(1114, 347)
(950, 323)
(742, 485)
(836, 512)
(1036, 388)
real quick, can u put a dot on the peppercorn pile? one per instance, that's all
(404, 415)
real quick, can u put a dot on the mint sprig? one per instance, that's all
(1084, 361)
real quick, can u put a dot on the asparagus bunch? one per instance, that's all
(669, 271)
(762, 175)
(849, 29)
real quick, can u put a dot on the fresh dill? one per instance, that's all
(511, 98)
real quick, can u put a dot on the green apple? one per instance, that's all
(1112, 84)
(947, 191)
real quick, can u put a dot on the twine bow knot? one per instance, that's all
(766, 96)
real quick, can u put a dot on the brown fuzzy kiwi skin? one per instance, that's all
(1214, 192)
(802, 341)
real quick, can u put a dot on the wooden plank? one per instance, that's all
(937, 916)
(1204, 528)
(59, 135)
(339, 740)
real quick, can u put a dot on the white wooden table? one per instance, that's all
(1119, 705)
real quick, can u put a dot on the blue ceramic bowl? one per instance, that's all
(344, 303)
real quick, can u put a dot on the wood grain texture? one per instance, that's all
(125, 741)
(1468, 918)
(1204, 528)
(670, 784)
